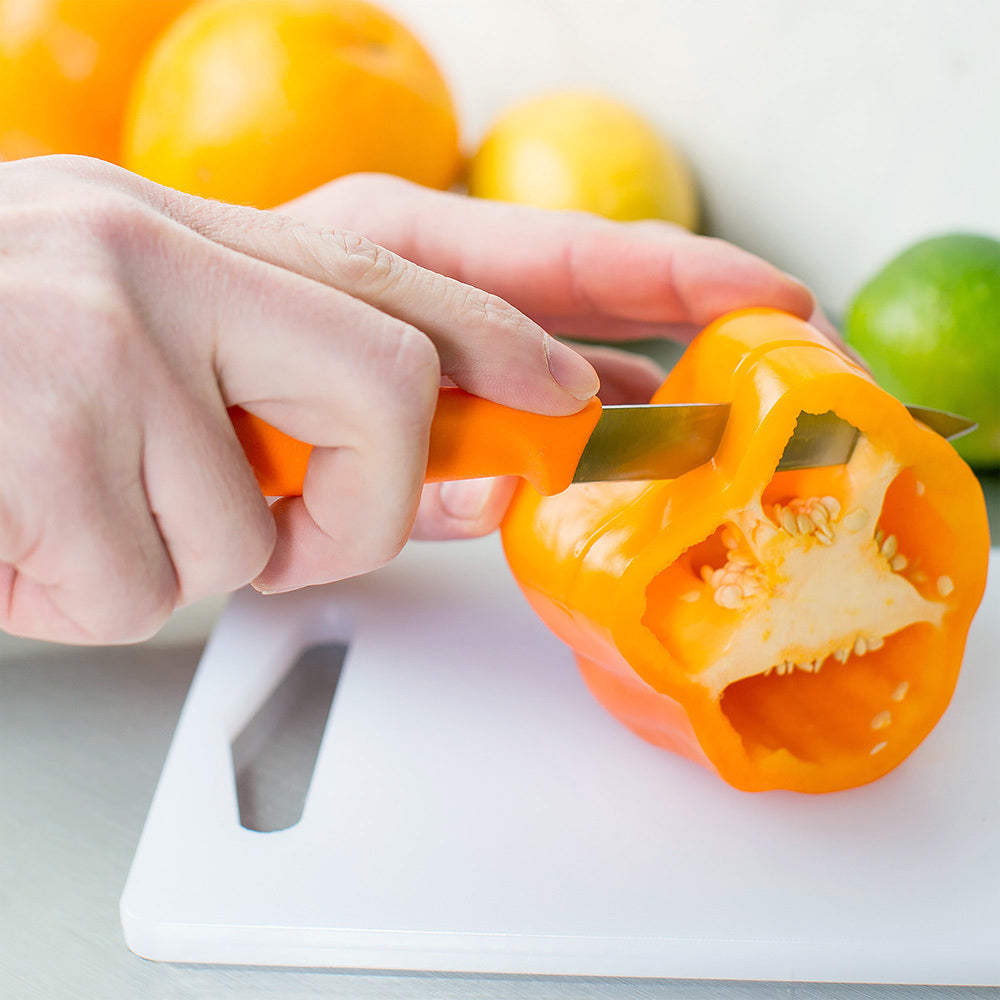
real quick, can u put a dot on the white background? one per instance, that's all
(826, 135)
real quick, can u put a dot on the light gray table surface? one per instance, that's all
(83, 735)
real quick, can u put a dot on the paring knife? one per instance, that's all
(473, 437)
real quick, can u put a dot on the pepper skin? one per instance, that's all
(798, 629)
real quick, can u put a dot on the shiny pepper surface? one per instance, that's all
(796, 629)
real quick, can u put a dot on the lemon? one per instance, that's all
(584, 151)
(928, 324)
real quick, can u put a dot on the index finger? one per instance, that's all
(573, 273)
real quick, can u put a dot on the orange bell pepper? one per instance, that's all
(800, 630)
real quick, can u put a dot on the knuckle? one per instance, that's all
(161, 596)
(138, 598)
(255, 548)
(357, 545)
(64, 438)
(71, 434)
(476, 307)
(88, 167)
(111, 331)
(237, 562)
(57, 170)
(132, 622)
(112, 218)
(21, 532)
(486, 315)
(364, 262)
(385, 548)
(109, 312)
(410, 368)
(68, 401)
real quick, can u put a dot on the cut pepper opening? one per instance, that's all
(822, 715)
(794, 615)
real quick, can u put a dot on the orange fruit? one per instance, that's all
(258, 101)
(66, 67)
(588, 152)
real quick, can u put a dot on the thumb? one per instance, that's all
(466, 508)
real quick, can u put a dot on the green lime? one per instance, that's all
(928, 324)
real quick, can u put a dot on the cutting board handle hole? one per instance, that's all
(275, 753)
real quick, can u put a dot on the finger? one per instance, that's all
(208, 509)
(83, 559)
(485, 345)
(353, 516)
(467, 508)
(123, 597)
(365, 398)
(99, 542)
(571, 265)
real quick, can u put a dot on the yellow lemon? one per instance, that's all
(584, 151)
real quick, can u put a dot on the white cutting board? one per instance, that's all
(473, 809)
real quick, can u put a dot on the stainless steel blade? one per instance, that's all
(659, 441)
(819, 439)
(825, 439)
(948, 425)
(663, 441)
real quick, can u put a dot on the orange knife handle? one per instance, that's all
(471, 438)
(279, 462)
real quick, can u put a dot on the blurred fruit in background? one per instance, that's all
(928, 324)
(258, 101)
(66, 67)
(584, 151)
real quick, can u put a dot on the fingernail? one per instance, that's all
(465, 499)
(571, 370)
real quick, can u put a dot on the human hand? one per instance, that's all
(132, 316)
(575, 274)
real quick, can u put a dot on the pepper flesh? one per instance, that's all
(797, 629)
